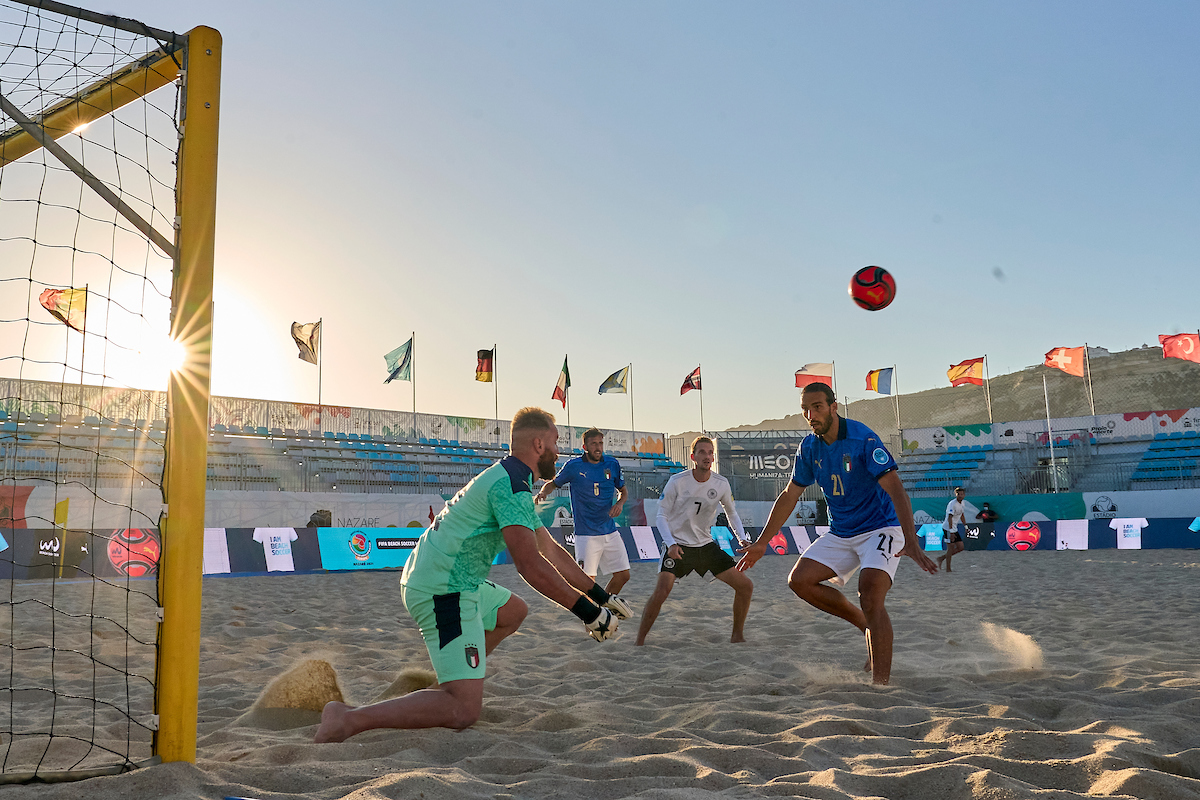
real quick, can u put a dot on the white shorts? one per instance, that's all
(601, 554)
(878, 549)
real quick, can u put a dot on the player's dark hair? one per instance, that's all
(532, 418)
(700, 440)
(592, 433)
(824, 388)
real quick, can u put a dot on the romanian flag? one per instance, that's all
(564, 383)
(1068, 359)
(880, 380)
(484, 365)
(1182, 345)
(814, 373)
(692, 381)
(68, 305)
(969, 371)
(308, 339)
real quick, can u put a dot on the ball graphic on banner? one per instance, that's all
(1024, 535)
(779, 543)
(134, 551)
(873, 288)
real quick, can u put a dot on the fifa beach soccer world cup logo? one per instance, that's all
(1024, 535)
(360, 545)
(134, 552)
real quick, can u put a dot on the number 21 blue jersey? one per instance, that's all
(848, 471)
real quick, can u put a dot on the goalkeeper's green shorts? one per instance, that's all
(453, 626)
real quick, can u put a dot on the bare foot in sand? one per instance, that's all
(333, 723)
(737, 637)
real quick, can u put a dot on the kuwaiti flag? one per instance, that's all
(1182, 345)
(564, 383)
(814, 373)
(1068, 359)
(618, 382)
(692, 381)
(308, 339)
(969, 371)
(68, 305)
(880, 380)
(399, 363)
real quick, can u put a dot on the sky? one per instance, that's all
(670, 184)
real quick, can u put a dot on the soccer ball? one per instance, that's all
(873, 288)
(134, 552)
(1024, 535)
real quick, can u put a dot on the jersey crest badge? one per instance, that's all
(472, 656)
(712, 493)
(608, 475)
(846, 462)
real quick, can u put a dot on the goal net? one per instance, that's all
(100, 340)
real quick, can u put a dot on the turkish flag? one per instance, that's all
(1182, 345)
(1068, 359)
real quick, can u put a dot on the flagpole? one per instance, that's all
(496, 390)
(833, 377)
(320, 364)
(701, 392)
(412, 374)
(987, 389)
(1050, 434)
(1087, 363)
(632, 428)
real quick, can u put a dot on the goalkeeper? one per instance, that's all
(462, 615)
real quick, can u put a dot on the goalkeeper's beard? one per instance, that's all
(546, 465)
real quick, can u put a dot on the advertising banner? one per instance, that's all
(365, 548)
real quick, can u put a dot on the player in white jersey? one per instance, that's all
(688, 509)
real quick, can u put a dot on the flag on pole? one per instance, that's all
(814, 373)
(617, 383)
(69, 306)
(399, 363)
(564, 383)
(1068, 359)
(880, 380)
(308, 339)
(969, 371)
(1183, 345)
(483, 366)
(692, 381)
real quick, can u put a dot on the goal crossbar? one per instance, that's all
(131, 82)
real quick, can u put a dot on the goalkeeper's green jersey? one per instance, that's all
(456, 552)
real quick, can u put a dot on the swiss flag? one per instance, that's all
(1068, 359)
(1182, 345)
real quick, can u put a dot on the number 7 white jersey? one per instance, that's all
(688, 509)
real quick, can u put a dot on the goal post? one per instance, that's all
(180, 578)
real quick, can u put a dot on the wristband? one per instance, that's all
(585, 610)
(598, 595)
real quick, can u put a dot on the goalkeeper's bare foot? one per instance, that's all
(333, 723)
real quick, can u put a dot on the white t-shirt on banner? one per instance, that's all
(216, 551)
(1129, 532)
(1072, 534)
(277, 543)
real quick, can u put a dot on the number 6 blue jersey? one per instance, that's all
(848, 472)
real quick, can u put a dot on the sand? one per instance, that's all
(1020, 675)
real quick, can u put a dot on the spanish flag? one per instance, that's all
(880, 380)
(969, 371)
(483, 367)
(67, 305)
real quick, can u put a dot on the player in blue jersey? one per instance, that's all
(595, 481)
(871, 524)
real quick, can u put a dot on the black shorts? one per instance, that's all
(707, 558)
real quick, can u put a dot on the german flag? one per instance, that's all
(483, 368)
